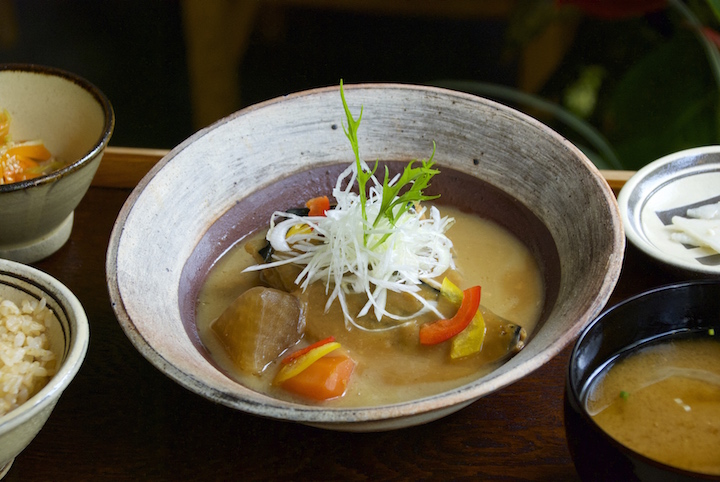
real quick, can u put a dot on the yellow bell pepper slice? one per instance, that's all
(470, 340)
(449, 290)
(298, 229)
(304, 361)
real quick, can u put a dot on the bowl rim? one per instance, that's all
(635, 234)
(343, 416)
(100, 144)
(573, 389)
(78, 343)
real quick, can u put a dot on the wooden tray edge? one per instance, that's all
(124, 167)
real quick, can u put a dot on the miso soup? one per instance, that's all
(663, 401)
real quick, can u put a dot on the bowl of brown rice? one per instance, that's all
(44, 336)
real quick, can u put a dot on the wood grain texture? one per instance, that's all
(122, 420)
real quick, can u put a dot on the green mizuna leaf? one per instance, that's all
(351, 132)
(413, 179)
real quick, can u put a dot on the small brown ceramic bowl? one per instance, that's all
(75, 121)
(226, 180)
(681, 308)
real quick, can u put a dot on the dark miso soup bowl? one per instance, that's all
(677, 308)
(225, 181)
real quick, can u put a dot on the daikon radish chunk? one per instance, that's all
(258, 326)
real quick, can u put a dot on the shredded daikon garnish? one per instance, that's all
(345, 254)
(376, 240)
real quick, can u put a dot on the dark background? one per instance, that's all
(653, 93)
(134, 51)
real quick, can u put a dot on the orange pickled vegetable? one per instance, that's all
(17, 168)
(20, 161)
(34, 150)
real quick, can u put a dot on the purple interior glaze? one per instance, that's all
(463, 191)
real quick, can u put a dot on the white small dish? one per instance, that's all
(669, 187)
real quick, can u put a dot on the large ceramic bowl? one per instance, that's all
(69, 334)
(75, 121)
(673, 309)
(226, 180)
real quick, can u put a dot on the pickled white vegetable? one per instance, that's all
(701, 228)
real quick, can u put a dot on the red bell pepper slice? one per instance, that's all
(318, 206)
(442, 330)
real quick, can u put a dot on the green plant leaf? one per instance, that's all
(715, 7)
(665, 103)
(415, 179)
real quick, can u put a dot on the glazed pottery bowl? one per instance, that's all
(75, 121)
(669, 187)
(68, 334)
(226, 180)
(683, 307)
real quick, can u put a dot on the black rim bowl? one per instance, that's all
(680, 307)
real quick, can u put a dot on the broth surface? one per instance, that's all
(663, 401)
(387, 370)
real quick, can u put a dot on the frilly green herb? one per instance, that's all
(415, 178)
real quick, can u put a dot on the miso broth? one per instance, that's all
(387, 370)
(663, 401)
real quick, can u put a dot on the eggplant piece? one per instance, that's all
(267, 250)
(280, 277)
(259, 326)
(503, 338)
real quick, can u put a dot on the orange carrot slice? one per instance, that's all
(325, 379)
(318, 206)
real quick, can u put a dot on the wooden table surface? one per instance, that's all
(122, 419)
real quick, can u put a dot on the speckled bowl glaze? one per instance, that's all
(69, 337)
(75, 121)
(494, 161)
